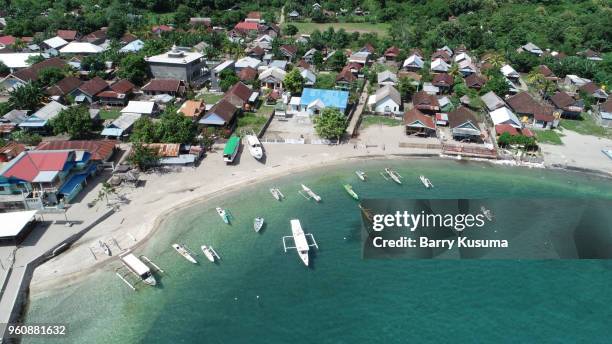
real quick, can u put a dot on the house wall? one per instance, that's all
(187, 72)
(387, 102)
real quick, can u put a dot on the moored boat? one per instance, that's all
(255, 147)
(104, 247)
(350, 191)
(487, 213)
(183, 251)
(232, 146)
(223, 214)
(426, 181)
(310, 193)
(362, 175)
(258, 223)
(277, 194)
(210, 253)
(396, 177)
(138, 268)
(301, 243)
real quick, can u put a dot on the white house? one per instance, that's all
(509, 72)
(414, 62)
(140, 107)
(81, 48)
(247, 62)
(503, 115)
(386, 101)
(309, 77)
(55, 42)
(438, 65)
(387, 78)
(531, 48)
(272, 78)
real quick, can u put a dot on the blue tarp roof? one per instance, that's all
(330, 98)
(132, 47)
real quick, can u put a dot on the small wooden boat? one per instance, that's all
(362, 175)
(308, 194)
(105, 248)
(258, 224)
(426, 182)
(210, 253)
(224, 215)
(183, 251)
(392, 174)
(276, 193)
(487, 213)
(350, 191)
(607, 152)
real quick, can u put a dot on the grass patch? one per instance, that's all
(586, 126)
(308, 27)
(549, 136)
(326, 80)
(209, 98)
(109, 114)
(249, 121)
(369, 120)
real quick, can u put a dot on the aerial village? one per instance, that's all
(75, 104)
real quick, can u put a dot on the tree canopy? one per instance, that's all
(330, 124)
(74, 121)
(172, 127)
(294, 81)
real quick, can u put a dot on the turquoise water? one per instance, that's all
(342, 298)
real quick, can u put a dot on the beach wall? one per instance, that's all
(24, 274)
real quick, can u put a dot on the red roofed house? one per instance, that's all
(88, 91)
(288, 51)
(67, 35)
(464, 125)
(164, 86)
(240, 96)
(64, 87)
(10, 151)
(544, 118)
(425, 102)
(46, 177)
(345, 79)
(391, 53)
(253, 17)
(100, 150)
(418, 123)
(247, 28)
(23, 76)
(7, 41)
(443, 81)
(159, 29)
(118, 94)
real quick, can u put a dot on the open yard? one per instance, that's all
(369, 120)
(309, 27)
(109, 114)
(249, 121)
(552, 137)
(210, 98)
(586, 126)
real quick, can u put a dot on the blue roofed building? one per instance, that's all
(314, 100)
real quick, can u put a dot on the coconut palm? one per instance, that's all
(26, 97)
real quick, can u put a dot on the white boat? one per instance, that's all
(362, 175)
(104, 247)
(487, 213)
(183, 251)
(607, 152)
(224, 215)
(310, 193)
(276, 193)
(393, 175)
(301, 243)
(258, 223)
(138, 268)
(426, 182)
(210, 253)
(255, 147)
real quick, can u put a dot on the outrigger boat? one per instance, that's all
(362, 175)
(183, 251)
(426, 182)
(350, 191)
(210, 253)
(139, 268)
(255, 147)
(258, 224)
(309, 193)
(276, 193)
(487, 213)
(224, 215)
(104, 247)
(300, 239)
(392, 174)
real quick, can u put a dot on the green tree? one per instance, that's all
(317, 59)
(496, 83)
(173, 127)
(291, 30)
(134, 68)
(50, 76)
(144, 131)
(406, 87)
(143, 156)
(34, 59)
(26, 97)
(74, 121)
(331, 124)
(182, 14)
(337, 61)
(227, 79)
(294, 81)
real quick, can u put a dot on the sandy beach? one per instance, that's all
(137, 220)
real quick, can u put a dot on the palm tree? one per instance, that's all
(26, 97)
(105, 191)
(496, 60)
(454, 71)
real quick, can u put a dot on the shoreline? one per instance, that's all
(50, 284)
